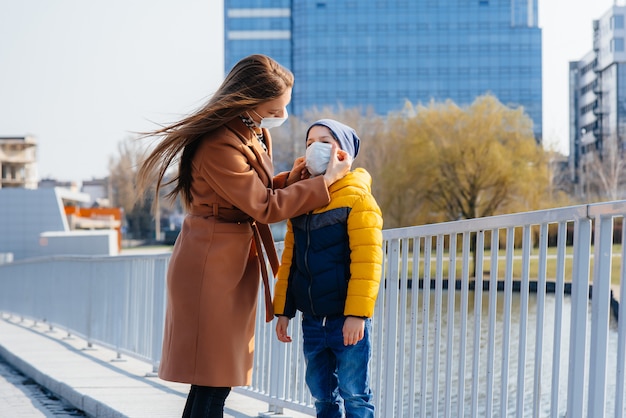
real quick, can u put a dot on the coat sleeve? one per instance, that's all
(280, 180)
(283, 303)
(234, 171)
(365, 225)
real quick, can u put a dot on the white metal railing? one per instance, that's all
(515, 334)
(117, 302)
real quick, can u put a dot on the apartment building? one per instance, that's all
(18, 162)
(598, 109)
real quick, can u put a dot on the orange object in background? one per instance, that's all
(95, 218)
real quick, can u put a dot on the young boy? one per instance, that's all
(330, 271)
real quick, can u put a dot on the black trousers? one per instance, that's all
(205, 402)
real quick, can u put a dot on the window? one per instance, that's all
(617, 45)
(617, 22)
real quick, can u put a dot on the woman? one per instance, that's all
(226, 184)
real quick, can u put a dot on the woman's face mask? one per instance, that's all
(317, 157)
(269, 123)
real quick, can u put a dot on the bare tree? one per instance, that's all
(607, 170)
(122, 170)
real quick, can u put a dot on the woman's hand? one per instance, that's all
(298, 172)
(339, 165)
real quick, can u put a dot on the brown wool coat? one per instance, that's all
(213, 275)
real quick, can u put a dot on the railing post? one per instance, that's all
(438, 321)
(159, 302)
(578, 327)
(391, 319)
(600, 311)
(523, 330)
(558, 313)
(506, 338)
(428, 244)
(478, 307)
(464, 302)
(278, 365)
(621, 334)
(493, 300)
(541, 293)
(451, 311)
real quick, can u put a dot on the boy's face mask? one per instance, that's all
(317, 157)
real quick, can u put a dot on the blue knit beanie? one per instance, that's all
(345, 135)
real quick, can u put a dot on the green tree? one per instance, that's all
(471, 162)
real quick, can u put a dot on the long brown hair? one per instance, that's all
(253, 80)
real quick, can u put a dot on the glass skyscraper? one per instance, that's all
(382, 53)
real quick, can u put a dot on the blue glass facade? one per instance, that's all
(381, 53)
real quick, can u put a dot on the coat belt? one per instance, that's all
(265, 233)
(262, 238)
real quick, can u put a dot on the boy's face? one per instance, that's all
(321, 134)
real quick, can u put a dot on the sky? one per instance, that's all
(82, 76)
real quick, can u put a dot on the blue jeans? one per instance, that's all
(337, 375)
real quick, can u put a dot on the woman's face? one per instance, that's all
(275, 108)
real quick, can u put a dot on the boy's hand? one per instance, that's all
(281, 329)
(353, 330)
(298, 171)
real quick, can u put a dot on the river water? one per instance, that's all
(548, 358)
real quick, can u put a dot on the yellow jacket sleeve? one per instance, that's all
(280, 288)
(365, 225)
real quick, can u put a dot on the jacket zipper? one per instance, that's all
(306, 259)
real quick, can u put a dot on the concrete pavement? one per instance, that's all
(21, 397)
(93, 380)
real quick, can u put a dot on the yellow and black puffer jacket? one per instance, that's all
(332, 261)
